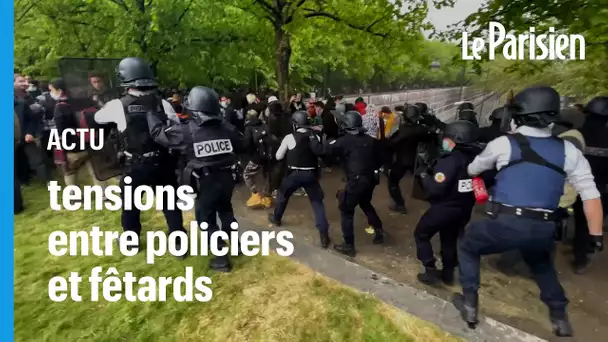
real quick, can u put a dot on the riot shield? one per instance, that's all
(426, 153)
(92, 82)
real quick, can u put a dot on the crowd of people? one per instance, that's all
(529, 153)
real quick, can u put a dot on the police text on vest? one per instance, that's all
(212, 148)
(87, 139)
(465, 185)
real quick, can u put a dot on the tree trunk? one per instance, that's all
(282, 57)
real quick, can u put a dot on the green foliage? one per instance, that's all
(232, 42)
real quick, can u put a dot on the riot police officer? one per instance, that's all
(496, 129)
(211, 145)
(302, 152)
(404, 144)
(362, 162)
(594, 131)
(533, 167)
(147, 163)
(448, 188)
(466, 111)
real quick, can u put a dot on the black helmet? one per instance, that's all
(300, 119)
(537, 100)
(353, 123)
(465, 106)
(598, 106)
(461, 132)
(498, 114)
(468, 115)
(204, 100)
(423, 108)
(570, 118)
(411, 114)
(134, 72)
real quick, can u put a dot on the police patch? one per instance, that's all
(135, 109)
(212, 148)
(465, 185)
(439, 177)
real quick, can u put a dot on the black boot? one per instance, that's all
(220, 264)
(560, 324)
(346, 249)
(378, 236)
(467, 304)
(447, 275)
(431, 276)
(274, 221)
(580, 266)
(324, 239)
(398, 208)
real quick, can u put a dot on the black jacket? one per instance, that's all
(250, 145)
(28, 121)
(65, 117)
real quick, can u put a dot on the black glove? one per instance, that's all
(597, 243)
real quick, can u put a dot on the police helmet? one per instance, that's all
(423, 108)
(598, 106)
(353, 124)
(461, 132)
(300, 119)
(204, 100)
(468, 115)
(411, 114)
(498, 114)
(537, 100)
(464, 106)
(134, 72)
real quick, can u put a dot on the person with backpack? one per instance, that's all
(65, 117)
(257, 144)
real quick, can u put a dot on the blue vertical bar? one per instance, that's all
(7, 222)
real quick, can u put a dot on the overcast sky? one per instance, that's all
(446, 16)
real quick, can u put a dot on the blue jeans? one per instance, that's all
(533, 238)
(307, 180)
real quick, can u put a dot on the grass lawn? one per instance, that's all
(263, 299)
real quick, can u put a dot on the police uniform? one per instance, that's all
(594, 131)
(532, 166)
(361, 161)
(303, 166)
(448, 188)
(211, 146)
(147, 163)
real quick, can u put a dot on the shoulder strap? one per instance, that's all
(528, 155)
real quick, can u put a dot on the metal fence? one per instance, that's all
(441, 100)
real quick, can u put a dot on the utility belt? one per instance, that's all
(192, 174)
(153, 158)
(316, 170)
(495, 208)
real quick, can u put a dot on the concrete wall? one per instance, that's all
(441, 100)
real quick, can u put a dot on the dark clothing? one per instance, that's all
(215, 199)
(582, 241)
(138, 138)
(403, 146)
(308, 180)
(28, 122)
(65, 118)
(489, 133)
(230, 116)
(254, 129)
(361, 162)
(296, 106)
(330, 126)
(533, 238)
(449, 189)
(595, 131)
(152, 172)
(278, 127)
(302, 156)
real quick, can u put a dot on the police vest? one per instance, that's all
(137, 134)
(302, 155)
(360, 155)
(211, 145)
(534, 177)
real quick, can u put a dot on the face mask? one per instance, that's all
(446, 146)
(223, 104)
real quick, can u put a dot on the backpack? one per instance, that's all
(83, 117)
(262, 141)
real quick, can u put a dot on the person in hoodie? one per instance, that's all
(257, 144)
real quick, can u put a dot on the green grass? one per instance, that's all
(263, 299)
